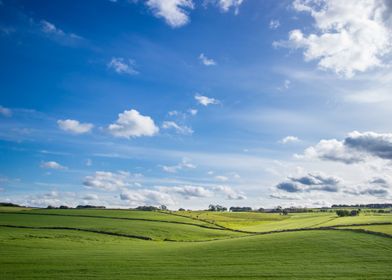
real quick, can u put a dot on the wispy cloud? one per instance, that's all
(205, 100)
(52, 165)
(206, 61)
(122, 66)
(180, 129)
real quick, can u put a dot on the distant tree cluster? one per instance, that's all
(371, 206)
(61, 207)
(9, 204)
(345, 213)
(218, 208)
(146, 208)
(89, 206)
(240, 209)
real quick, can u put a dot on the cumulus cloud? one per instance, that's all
(180, 129)
(188, 191)
(132, 124)
(205, 101)
(356, 147)
(52, 165)
(368, 190)
(206, 61)
(375, 144)
(5, 111)
(230, 193)
(184, 164)
(349, 36)
(310, 182)
(289, 139)
(146, 197)
(174, 12)
(122, 66)
(74, 126)
(112, 181)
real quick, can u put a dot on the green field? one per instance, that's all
(104, 244)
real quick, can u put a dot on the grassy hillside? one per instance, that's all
(79, 244)
(154, 229)
(49, 254)
(265, 222)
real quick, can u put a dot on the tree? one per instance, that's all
(343, 213)
(354, 213)
(163, 207)
(211, 207)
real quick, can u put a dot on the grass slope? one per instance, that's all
(155, 230)
(265, 222)
(49, 254)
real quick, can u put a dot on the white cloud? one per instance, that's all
(75, 126)
(356, 147)
(89, 162)
(173, 113)
(193, 112)
(350, 36)
(174, 12)
(184, 164)
(112, 181)
(333, 150)
(226, 5)
(48, 27)
(56, 33)
(122, 66)
(206, 61)
(52, 165)
(146, 197)
(230, 193)
(180, 129)
(289, 139)
(274, 24)
(188, 191)
(5, 111)
(132, 124)
(205, 101)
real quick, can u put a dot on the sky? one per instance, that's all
(187, 103)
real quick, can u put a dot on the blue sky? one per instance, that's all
(187, 103)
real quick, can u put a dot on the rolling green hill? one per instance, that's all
(105, 244)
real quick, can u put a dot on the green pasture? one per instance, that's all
(51, 254)
(79, 244)
(157, 230)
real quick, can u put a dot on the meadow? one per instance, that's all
(128, 244)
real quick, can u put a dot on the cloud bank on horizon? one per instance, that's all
(187, 103)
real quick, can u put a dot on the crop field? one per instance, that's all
(127, 244)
